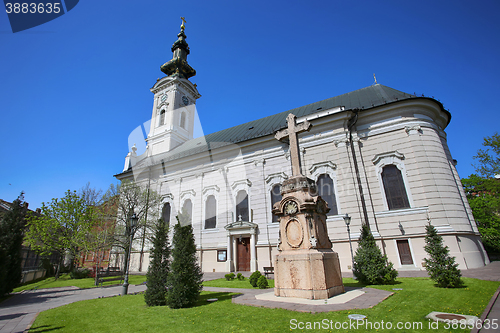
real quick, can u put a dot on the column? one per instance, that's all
(253, 256)
(229, 256)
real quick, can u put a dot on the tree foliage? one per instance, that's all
(157, 274)
(370, 266)
(62, 227)
(185, 277)
(483, 195)
(12, 225)
(440, 266)
(489, 158)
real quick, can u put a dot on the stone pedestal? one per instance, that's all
(306, 266)
(312, 274)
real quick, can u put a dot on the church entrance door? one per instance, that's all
(243, 250)
(404, 252)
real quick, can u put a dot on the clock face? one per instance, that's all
(185, 100)
(290, 208)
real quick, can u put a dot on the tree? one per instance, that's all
(370, 266)
(483, 195)
(440, 266)
(185, 279)
(489, 158)
(157, 274)
(12, 225)
(133, 199)
(62, 227)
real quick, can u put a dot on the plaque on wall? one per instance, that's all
(221, 255)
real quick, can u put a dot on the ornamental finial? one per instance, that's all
(183, 22)
(374, 78)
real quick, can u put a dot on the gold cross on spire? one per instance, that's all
(183, 22)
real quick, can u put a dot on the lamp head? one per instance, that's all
(347, 219)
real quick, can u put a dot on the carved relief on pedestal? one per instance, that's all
(294, 233)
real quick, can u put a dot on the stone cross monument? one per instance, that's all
(306, 266)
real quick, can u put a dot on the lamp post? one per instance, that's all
(347, 220)
(133, 224)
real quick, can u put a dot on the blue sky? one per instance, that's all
(73, 89)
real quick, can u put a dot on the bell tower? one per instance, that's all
(174, 107)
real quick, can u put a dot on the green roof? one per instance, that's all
(365, 98)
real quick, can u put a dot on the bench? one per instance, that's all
(268, 271)
(101, 280)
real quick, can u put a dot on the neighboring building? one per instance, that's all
(103, 235)
(377, 154)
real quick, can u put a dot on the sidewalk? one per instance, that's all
(19, 311)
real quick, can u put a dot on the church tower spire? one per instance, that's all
(178, 65)
(174, 107)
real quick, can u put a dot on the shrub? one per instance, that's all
(370, 266)
(156, 277)
(185, 277)
(262, 282)
(240, 277)
(254, 277)
(441, 267)
(80, 273)
(230, 276)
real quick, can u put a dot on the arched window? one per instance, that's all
(210, 212)
(162, 118)
(327, 192)
(183, 120)
(394, 188)
(275, 197)
(165, 213)
(188, 207)
(242, 206)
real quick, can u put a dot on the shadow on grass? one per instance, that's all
(221, 296)
(44, 328)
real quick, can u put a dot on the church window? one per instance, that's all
(242, 206)
(165, 213)
(275, 197)
(162, 118)
(327, 192)
(188, 207)
(210, 212)
(394, 188)
(183, 120)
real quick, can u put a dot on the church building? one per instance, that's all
(377, 154)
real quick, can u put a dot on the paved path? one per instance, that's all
(19, 311)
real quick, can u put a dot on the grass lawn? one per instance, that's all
(223, 283)
(130, 313)
(65, 281)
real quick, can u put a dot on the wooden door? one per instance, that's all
(243, 250)
(404, 252)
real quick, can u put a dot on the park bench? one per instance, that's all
(118, 278)
(268, 271)
(110, 272)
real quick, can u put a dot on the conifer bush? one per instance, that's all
(12, 224)
(440, 266)
(240, 277)
(185, 278)
(230, 276)
(262, 282)
(156, 277)
(254, 278)
(370, 266)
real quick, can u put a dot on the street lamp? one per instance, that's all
(347, 220)
(131, 228)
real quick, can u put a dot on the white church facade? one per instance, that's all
(376, 154)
